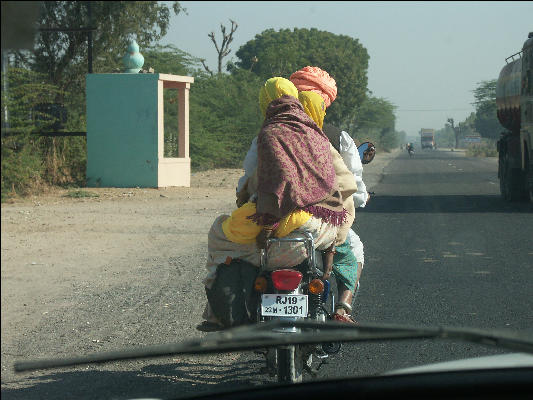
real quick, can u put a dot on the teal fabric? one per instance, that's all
(345, 265)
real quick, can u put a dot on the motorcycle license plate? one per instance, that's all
(284, 305)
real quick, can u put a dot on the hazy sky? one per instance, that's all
(425, 57)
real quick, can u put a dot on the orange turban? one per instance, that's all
(314, 79)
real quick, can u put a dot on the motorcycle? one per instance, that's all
(294, 294)
(411, 151)
(298, 293)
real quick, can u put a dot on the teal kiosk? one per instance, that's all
(125, 130)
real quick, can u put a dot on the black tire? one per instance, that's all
(512, 181)
(290, 364)
(530, 185)
(529, 177)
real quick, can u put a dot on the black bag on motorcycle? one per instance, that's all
(232, 297)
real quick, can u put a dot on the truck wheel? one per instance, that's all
(529, 194)
(512, 180)
(529, 180)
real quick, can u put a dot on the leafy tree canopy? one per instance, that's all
(281, 53)
(23, 159)
(170, 60)
(224, 118)
(486, 120)
(484, 92)
(375, 122)
(374, 113)
(445, 137)
(63, 55)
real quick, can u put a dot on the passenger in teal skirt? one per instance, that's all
(345, 270)
(348, 259)
(345, 266)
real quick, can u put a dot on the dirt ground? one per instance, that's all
(58, 249)
(121, 269)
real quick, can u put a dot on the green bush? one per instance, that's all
(224, 114)
(482, 150)
(22, 165)
(224, 118)
(30, 161)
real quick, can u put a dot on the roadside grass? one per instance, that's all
(77, 194)
(484, 150)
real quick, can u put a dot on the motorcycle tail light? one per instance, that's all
(286, 279)
(316, 286)
(260, 284)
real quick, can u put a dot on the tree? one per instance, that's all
(484, 92)
(63, 55)
(169, 59)
(445, 137)
(224, 49)
(486, 121)
(22, 151)
(402, 137)
(281, 53)
(375, 121)
(59, 60)
(374, 113)
(224, 119)
(456, 131)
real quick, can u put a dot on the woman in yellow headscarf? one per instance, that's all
(273, 89)
(239, 228)
(314, 106)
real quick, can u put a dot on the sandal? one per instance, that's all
(344, 318)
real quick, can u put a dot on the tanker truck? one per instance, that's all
(514, 100)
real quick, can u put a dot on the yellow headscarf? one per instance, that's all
(314, 106)
(240, 229)
(273, 89)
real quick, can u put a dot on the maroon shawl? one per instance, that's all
(295, 167)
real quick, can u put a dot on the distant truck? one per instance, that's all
(427, 138)
(514, 99)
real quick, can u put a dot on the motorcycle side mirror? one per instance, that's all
(367, 152)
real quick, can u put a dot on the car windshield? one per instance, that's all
(161, 160)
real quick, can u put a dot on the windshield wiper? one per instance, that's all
(261, 335)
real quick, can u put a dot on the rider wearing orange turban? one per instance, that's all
(316, 80)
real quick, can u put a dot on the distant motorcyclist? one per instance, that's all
(410, 149)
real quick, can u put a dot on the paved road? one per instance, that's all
(441, 248)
